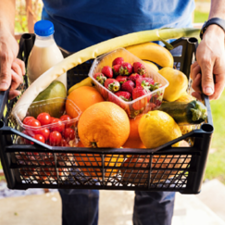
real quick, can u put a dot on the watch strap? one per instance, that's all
(218, 21)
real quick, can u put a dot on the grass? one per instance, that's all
(216, 159)
(200, 17)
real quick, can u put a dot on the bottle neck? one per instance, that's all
(44, 41)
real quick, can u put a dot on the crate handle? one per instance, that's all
(3, 100)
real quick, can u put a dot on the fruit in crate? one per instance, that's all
(126, 77)
(152, 52)
(134, 140)
(82, 97)
(85, 82)
(151, 64)
(50, 130)
(55, 90)
(157, 128)
(178, 83)
(103, 125)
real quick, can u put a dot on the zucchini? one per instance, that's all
(183, 113)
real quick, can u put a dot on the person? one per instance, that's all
(79, 24)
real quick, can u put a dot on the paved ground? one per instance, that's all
(115, 208)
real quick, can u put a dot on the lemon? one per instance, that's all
(157, 128)
(178, 83)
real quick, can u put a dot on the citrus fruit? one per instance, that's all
(178, 83)
(134, 140)
(157, 128)
(82, 97)
(103, 125)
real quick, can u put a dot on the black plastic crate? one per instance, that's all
(166, 168)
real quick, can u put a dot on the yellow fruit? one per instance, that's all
(185, 97)
(178, 83)
(152, 52)
(157, 128)
(151, 64)
(85, 82)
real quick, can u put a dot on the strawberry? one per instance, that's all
(125, 69)
(128, 86)
(141, 103)
(139, 68)
(144, 81)
(155, 86)
(100, 78)
(117, 61)
(121, 79)
(134, 77)
(116, 69)
(126, 96)
(107, 71)
(139, 91)
(112, 85)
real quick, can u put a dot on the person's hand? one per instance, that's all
(210, 56)
(11, 68)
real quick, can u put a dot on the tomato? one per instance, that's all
(28, 119)
(34, 123)
(39, 137)
(55, 138)
(26, 141)
(69, 134)
(57, 125)
(64, 143)
(66, 118)
(44, 118)
(44, 132)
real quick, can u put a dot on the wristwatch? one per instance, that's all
(218, 21)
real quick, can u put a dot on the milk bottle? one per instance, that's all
(45, 53)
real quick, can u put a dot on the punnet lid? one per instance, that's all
(44, 28)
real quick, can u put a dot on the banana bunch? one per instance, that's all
(152, 52)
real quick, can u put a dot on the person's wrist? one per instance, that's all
(214, 30)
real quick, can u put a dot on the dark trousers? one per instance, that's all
(80, 207)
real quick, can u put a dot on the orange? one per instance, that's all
(82, 97)
(104, 125)
(134, 140)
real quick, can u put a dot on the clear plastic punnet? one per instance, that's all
(55, 107)
(139, 105)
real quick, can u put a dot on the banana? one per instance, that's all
(86, 82)
(152, 52)
(152, 65)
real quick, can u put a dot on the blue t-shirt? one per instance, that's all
(82, 23)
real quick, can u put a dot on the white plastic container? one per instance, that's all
(45, 53)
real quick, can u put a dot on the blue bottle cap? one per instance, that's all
(44, 28)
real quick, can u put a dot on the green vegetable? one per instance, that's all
(183, 113)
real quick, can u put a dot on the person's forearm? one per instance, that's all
(7, 14)
(217, 9)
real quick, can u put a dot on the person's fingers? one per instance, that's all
(195, 69)
(197, 95)
(17, 68)
(219, 87)
(16, 80)
(13, 94)
(207, 76)
(5, 71)
(196, 83)
(21, 64)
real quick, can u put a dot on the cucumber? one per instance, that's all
(183, 113)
